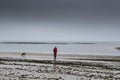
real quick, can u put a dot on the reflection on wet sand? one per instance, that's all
(54, 66)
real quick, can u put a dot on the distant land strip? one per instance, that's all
(46, 43)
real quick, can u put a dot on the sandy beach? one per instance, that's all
(41, 66)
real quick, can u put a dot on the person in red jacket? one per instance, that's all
(55, 53)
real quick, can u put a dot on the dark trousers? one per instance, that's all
(55, 55)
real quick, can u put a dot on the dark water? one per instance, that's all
(98, 48)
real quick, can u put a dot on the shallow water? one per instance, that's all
(99, 48)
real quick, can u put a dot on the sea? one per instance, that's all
(82, 48)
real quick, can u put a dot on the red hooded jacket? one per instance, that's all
(55, 50)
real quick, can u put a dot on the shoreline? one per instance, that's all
(51, 54)
(65, 56)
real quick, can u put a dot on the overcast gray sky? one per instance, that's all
(59, 20)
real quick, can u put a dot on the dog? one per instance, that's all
(23, 55)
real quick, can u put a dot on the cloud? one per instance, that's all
(59, 19)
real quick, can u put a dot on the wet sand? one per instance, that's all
(41, 66)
